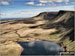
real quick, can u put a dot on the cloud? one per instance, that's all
(49, 1)
(45, 1)
(59, 1)
(72, 0)
(0, 14)
(72, 3)
(4, 3)
(20, 13)
(29, 3)
(62, 1)
(40, 4)
(33, 12)
(66, 0)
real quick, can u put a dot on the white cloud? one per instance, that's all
(72, 2)
(45, 1)
(66, 0)
(49, 1)
(53, 4)
(59, 1)
(4, 3)
(40, 4)
(30, 3)
(33, 12)
(20, 14)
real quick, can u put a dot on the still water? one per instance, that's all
(40, 48)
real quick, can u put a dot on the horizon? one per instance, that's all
(30, 8)
(29, 17)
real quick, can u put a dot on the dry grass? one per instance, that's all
(69, 44)
(10, 48)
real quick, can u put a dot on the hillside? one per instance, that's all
(47, 26)
(65, 20)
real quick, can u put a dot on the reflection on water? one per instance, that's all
(40, 48)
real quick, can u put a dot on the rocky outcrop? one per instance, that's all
(10, 48)
(46, 15)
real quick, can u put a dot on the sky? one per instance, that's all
(30, 8)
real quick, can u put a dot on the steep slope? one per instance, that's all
(64, 23)
(65, 20)
(46, 15)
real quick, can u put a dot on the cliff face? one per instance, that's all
(65, 20)
(47, 15)
(64, 23)
(47, 26)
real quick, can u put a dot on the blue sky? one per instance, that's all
(30, 8)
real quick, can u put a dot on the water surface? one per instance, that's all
(40, 48)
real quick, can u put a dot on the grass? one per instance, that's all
(69, 44)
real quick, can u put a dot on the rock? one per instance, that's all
(10, 48)
(11, 36)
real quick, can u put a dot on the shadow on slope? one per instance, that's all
(63, 22)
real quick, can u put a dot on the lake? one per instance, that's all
(40, 48)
